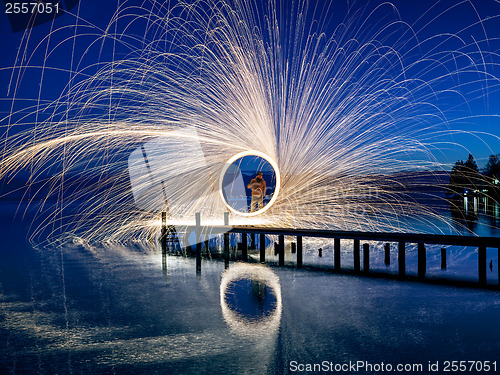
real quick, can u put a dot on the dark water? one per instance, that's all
(117, 310)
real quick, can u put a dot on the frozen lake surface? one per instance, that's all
(118, 309)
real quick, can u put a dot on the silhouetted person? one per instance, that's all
(258, 186)
(491, 265)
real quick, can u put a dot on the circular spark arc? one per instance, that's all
(276, 191)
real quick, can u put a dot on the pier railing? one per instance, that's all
(402, 239)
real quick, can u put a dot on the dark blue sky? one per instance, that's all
(480, 104)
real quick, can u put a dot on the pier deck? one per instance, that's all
(402, 239)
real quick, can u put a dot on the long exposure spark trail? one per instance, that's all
(338, 110)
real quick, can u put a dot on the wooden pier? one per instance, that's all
(401, 239)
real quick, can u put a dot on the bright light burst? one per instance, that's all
(339, 111)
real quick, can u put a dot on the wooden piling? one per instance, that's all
(481, 261)
(244, 247)
(401, 258)
(281, 249)
(357, 262)
(226, 249)
(387, 250)
(198, 241)
(299, 251)
(207, 242)
(422, 260)
(226, 241)
(262, 238)
(163, 238)
(336, 253)
(366, 258)
(294, 247)
(443, 258)
(163, 232)
(252, 241)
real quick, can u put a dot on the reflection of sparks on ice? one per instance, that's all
(268, 324)
(338, 111)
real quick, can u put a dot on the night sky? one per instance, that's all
(478, 110)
